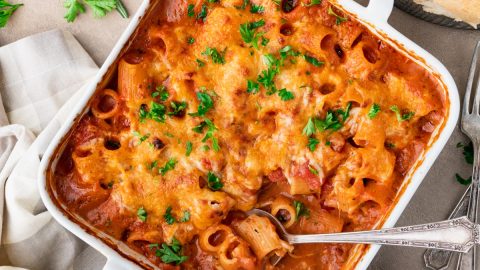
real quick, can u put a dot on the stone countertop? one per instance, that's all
(439, 192)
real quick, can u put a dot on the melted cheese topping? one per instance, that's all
(370, 111)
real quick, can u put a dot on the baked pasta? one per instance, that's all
(221, 106)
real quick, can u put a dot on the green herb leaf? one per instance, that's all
(200, 63)
(191, 10)
(339, 19)
(252, 87)
(243, 6)
(312, 60)
(189, 147)
(168, 217)
(265, 41)
(170, 165)
(177, 108)
(171, 253)
(186, 216)
(313, 3)
(214, 182)
(202, 15)
(312, 143)
(401, 117)
(462, 181)
(374, 110)
(74, 8)
(142, 214)
(191, 40)
(199, 128)
(206, 103)
(209, 135)
(121, 9)
(101, 7)
(309, 128)
(312, 170)
(140, 137)
(217, 58)
(467, 151)
(285, 95)
(249, 33)
(257, 9)
(152, 165)
(300, 209)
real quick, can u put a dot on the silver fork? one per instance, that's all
(471, 128)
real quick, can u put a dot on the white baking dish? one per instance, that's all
(375, 18)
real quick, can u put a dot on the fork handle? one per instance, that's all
(473, 205)
(455, 235)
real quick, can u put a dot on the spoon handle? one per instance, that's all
(455, 235)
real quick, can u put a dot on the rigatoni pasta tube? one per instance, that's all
(262, 237)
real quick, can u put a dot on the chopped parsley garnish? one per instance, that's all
(152, 165)
(214, 182)
(288, 51)
(161, 92)
(177, 108)
(209, 135)
(202, 15)
(339, 19)
(257, 9)
(285, 95)
(334, 120)
(170, 165)
(312, 3)
(191, 40)
(374, 110)
(467, 151)
(312, 60)
(200, 63)
(188, 147)
(300, 209)
(249, 33)
(190, 10)
(265, 41)
(312, 170)
(186, 217)
(199, 128)
(462, 181)
(390, 145)
(168, 217)
(252, 87)
(309, 128)
(401, 117)
(171, 253)
(206, 103)
(140, 137)
(217, 58)
(7, 10)
(312, 143)
(142, 214)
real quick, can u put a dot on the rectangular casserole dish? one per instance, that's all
(373, 17)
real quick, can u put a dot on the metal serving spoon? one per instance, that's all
(458, 235)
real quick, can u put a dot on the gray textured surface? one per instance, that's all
(439, 191)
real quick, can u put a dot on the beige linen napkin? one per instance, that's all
(38, 75)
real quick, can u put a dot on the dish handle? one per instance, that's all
(380, 9)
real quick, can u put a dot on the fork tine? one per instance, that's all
(471, 78)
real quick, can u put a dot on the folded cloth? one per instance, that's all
(38, 75)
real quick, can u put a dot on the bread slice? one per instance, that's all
(460, 10)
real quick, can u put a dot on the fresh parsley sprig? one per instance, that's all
(301, 210)
(100, 8)
(6, 11)
(338, 19)
(249, 33)
(333, 120)
(401, 116)
(171, 253)
(214, 182)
